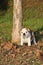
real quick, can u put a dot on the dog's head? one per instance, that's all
(24, 32)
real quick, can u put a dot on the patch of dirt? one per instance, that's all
(12, 54)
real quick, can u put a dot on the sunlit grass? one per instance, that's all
(34, 24)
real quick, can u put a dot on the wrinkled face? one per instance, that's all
(24, 32)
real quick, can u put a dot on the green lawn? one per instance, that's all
(34, 24)
(6, 24)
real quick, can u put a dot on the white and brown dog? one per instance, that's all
(27, 36)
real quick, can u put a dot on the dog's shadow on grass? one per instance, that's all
(39, 34)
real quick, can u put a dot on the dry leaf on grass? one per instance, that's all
(8, 46)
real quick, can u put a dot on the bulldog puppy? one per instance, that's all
(27, 36)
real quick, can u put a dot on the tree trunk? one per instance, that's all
(17, 20)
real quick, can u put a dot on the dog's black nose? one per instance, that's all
(23, 33)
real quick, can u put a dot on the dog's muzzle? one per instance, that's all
(24, 34)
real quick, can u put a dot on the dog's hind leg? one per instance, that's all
(34, 41)
(34, 38)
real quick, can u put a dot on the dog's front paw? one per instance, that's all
(29, 44)
(21, 44)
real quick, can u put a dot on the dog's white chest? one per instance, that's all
(25, 40)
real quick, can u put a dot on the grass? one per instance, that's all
(34, 23)
(32, 18)
(6, 24)
(6, 20)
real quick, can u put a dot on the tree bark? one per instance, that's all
(17, 20)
